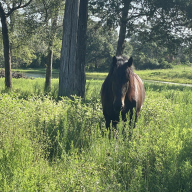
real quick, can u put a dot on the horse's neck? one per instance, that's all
(131, 90)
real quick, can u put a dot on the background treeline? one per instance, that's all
(33, 30)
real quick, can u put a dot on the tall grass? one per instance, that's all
(50, 145)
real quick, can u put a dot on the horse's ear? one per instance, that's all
(130, 62)
(114, 61)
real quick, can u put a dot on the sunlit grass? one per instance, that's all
(179, 74)
(50, 145)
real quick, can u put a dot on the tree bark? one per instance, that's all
(72, 68)
(49, 70)
(50, 53)
(123, 26)
(7, 55)
(6, 45)
(81, 46)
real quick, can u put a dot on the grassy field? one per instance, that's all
(50, 145)
(179, 74)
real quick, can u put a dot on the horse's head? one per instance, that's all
(121, 68)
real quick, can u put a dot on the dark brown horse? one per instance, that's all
(121, 91)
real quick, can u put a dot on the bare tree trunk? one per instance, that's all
(81, 49)
(7, 55)
(50, 53)
(72, 69)
(49, 69)
(67, 75)
(6, 46)
(96, 66)
(122, 32)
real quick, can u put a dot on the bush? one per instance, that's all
(143, 62)
(164, 64)
(146, 63)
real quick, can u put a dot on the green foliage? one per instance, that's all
(164, 64)
(160, 34)
(150, 55)
(39, 61)
(30, 32)
(143, 62)
(50, 145)
(100, 47)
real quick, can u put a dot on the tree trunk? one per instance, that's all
(7, 56)
(81, 46)
(49, 70)
(96, 66)
(50, 53)
(123, 25)
(11, 31)
(72, 69)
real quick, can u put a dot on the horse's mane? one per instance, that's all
(121, 59)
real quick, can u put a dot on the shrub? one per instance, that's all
(143, 62)
(164, 64)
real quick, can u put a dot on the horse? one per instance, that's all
(121, 92)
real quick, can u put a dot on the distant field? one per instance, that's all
(179, 74)
(35, 70)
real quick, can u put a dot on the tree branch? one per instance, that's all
(18, 7)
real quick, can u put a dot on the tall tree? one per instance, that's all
(5, 11)
(72, 69)
(50, 59)
(54, 13)
(123, 13)
(123, 27)
(168, 23)
(101, 46)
